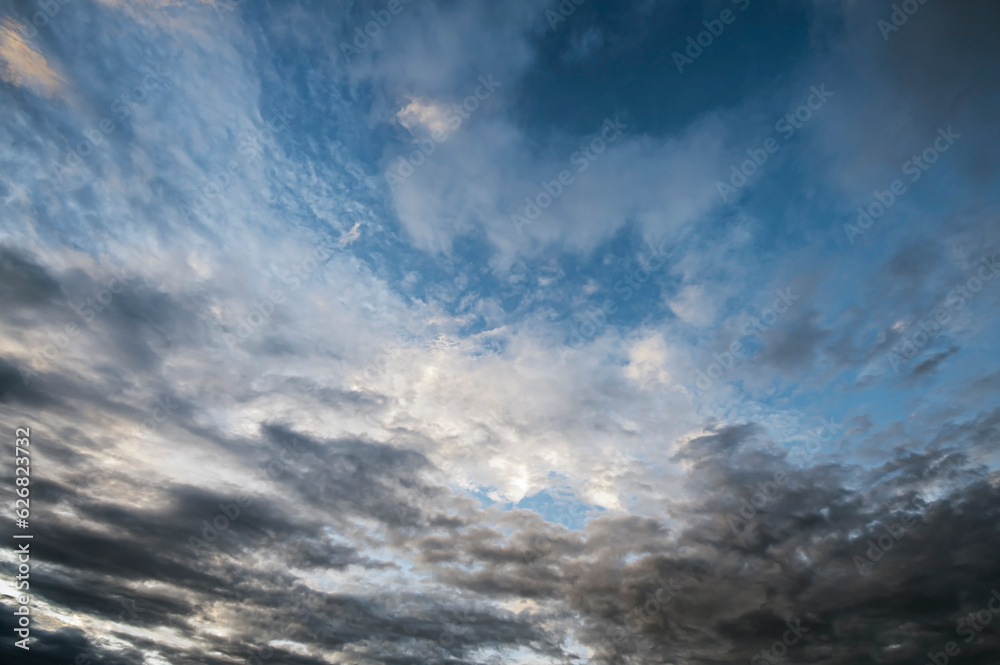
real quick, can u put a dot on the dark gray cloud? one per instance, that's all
(633, 587)
(23, 281)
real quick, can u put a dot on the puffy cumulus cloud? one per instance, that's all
(646, 359)
(424, 117)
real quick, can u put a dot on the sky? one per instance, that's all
(529, 332)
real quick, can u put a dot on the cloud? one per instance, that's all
(281, 411)
(322, 509)
(646, 360)
(582, 44)
(423, 117)
(691, 307)
(22, 65)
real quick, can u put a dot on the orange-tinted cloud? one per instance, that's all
(22, 65)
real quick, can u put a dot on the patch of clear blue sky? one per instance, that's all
(559, 505)
(635, 64)
(556, 504)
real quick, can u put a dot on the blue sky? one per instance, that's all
(494, 271)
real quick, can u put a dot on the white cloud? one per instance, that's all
(21, 64)
(647, 359)
(693, 305)
(424, 117)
